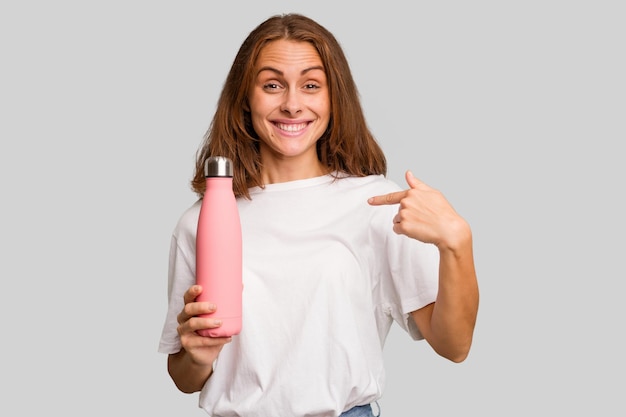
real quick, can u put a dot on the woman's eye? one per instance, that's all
(270, 86)
(311, 86)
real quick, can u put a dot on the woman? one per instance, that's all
(333, 253)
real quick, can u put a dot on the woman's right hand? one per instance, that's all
(192, 366)
(202, 349)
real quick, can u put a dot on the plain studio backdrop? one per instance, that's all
(515, 110)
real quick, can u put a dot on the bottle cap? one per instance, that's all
(218, 166)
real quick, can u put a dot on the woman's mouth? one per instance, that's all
(291, 127)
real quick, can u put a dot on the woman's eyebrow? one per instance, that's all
(279, 72)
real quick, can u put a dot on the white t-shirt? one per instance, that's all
(324, 278)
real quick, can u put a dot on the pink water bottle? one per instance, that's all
(218, 248)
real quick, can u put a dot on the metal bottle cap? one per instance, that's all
(218, 166)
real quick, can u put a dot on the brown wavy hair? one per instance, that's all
(346, 146)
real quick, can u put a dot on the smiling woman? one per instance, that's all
(334, 253)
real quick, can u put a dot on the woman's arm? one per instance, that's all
(425, 214)
(448, 323)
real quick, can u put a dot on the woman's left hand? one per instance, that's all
(425, 214)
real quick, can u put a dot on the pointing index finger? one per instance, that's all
(386, 199)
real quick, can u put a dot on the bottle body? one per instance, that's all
(218, 256)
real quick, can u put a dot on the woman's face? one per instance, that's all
(289, 102)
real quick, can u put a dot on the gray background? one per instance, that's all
(515, 110)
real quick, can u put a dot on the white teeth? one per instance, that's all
(291, 127)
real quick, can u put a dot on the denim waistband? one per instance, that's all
(361, 411)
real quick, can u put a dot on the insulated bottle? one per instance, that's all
(218, 248)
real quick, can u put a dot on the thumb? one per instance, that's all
(411, 180)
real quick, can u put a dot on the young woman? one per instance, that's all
(333, 252)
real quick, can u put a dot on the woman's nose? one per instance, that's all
(291, 103)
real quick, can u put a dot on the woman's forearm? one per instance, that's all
(188, 376)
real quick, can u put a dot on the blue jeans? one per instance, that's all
(360, 411)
